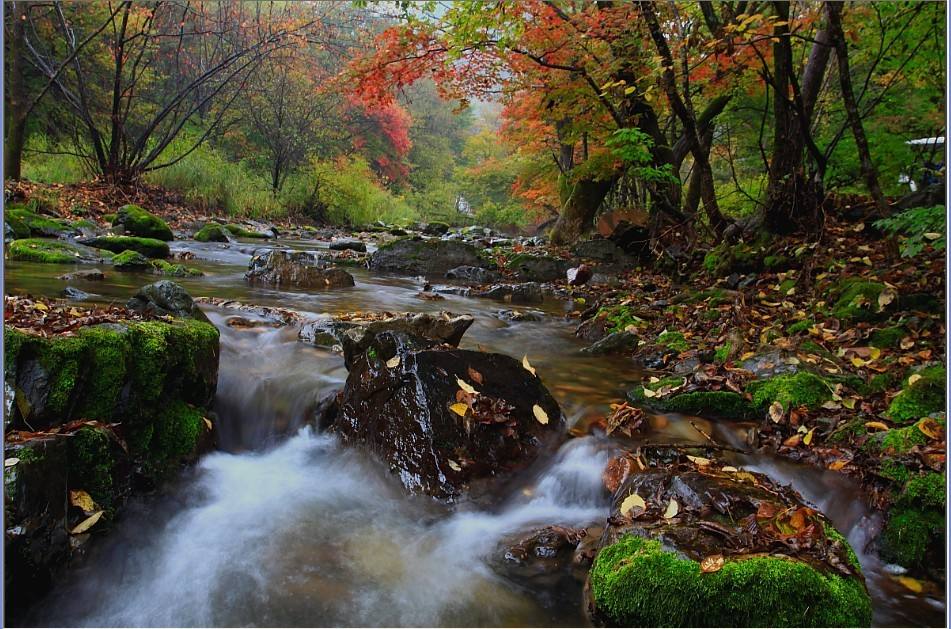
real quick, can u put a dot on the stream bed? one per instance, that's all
(286, 527)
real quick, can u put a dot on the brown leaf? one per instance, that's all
(475, 375)
(712, 563)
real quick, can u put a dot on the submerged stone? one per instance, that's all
(297, 269)
(527, 293)
(166, 298)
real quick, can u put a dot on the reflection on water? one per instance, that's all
(288, 528)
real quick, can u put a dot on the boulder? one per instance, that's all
(435, 228)
(166, 298)
(527, 293)
(76, 294)
(544, 556)
(519, 315)
(89, 275)
(24, 223)
(473, 274)
(614, 343)
(355, 335)
(149, 247)
(345, 244)
(135, 221)
(52, 252)
(213, 232)
(720, 547)
(297, 269)
(405, 400)
(531, 268)
(602, 250)
(130, 261)
(426, 257)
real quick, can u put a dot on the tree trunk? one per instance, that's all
(834, 11)
(16, 95)
(584, 197)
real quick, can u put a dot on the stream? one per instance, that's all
(286, 527)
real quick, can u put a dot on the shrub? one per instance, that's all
(917, 227)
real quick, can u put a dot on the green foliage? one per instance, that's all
(635, 582)
(40, 164)
(791, 390)
(633, 147)
(917, 227)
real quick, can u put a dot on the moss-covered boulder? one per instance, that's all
(887, 338)
(728, 258)
(914, 534)
(923, 394)
(130, 261)
(149, 247)
(791, 390)
(54, 252)
(136, 221)
(857, 299)
(671, 394)
(529, 268)
(26, 223)
(212, 232)
(240, 231)
(427, 257)
(696, 544)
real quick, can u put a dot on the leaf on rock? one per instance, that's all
(393, 362)
(931, 429)
(208, 423)
(540, 414)
(713, 563)
(912, 584)
(807, 439)
(11, 461)
(632, 502)
(876, 425)
(914, 378)
(81, 499)
(776, 412)
(527, 365)
(454, 466)
(698, 460)
(465, 386)
(86, 524)
(459, 409)
(672, 509)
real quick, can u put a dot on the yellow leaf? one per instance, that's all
(747, 355)
(858, 362)
(632, 502)
(41, 306)
(394, 362)
(208, 423)
(459, 409)
(648, 393)
(698, 460)
(81, 499)
(86, 524)
(874, 353)
(713, 563)
(914, 378)
(912, 584)
(540, 414)
(11, 461)
(728, 468)
(527, 365)
(455, 466)
(886, 297)
(838, 465)
(876, 425)
(849, 402)
(672, 509)
(465, 386)
(930, 428)
(776, 412)
(808, 438)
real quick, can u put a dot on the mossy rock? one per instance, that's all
(50, 251)
(618, 318)
(922, 397)
(716, 404)
(173, 270)
(727, 258)
(673, 340)
(638, 583)
(136, 221)
(130, 261)
(887, 338)
(27, 222)
(791, 390)
(899, 440)
(856, 299)
(800, 326)
(149, 247)
(427, 257)
(242, 232)
(914, 534)
(212, 232)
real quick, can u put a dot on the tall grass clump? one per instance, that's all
(45, 161)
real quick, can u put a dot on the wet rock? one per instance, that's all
(355, 335)
(520, 315)
(721, 547)
(475, 231)
(402, 413)
(426, 257)
(52, 252)
(614, 343)
(474, 274)
(397, 231)
(593, 329)
(166, 298)
(769, 364)
(90, 275)
(325, 414)
(544, 556)
(462, 291)
(213, 232)
(298, 269)
(602, 250)
(605, 279)
(345, 244)
(531, 268)
(527, 293)
(435, 229)
(245, 323)
(76, 294)
(579, 276)
(149, 247)
(130, 261)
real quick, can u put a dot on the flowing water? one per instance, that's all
(286, 527)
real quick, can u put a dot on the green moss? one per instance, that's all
(786, 285)
(91, 464)
(174, 270)
(857, 299)
(722, 353)
(791, 390)
(800, 326)
(130, 261)
(674, 341)
(63, 359)
(881, 382)
(138, 222)
(106, 355)
(635, 582)
(899, 440)
(774, 262)
(925, 396)
(242, 232)
(149, 247)
(894, 471)
(726, 404)
(710, 315)
(212, 232)
(910, 534)
(109, 218)
(47, 251)
(838, 538)
(177, 431)
(35, 224)
(924, 491)
(887, 338)
(619, 318)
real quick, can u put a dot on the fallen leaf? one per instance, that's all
(86, 524)
(807, 439)
(713, 563)
(698, 460)
(672, 509)
(465, 386)
(914, 378)
(540, 414)
(912, 584)
(81, 499)
(459, 409)
(838, 464)
(208, 423)
(393, 362)
(11, 461)
(930, 428)
(475, 375)
(886, 297)
(648, 393)
(527, 365)
(454, 466)
(632, 502)
(776, 412)
(907, 343)
(728, 468)
(876, 425)
(41, 306)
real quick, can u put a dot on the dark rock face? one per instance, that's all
(601, 250)
(527, 293)
(530, 268)
(520, 315)
(298, 269)
(71, 292)
(348, 244)
(544, 556)
(435, 229)
(402, 413)
(166, 298)
(614, 343)
(474, 274)
(355, 336)
(426, 257)
(593, 329)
